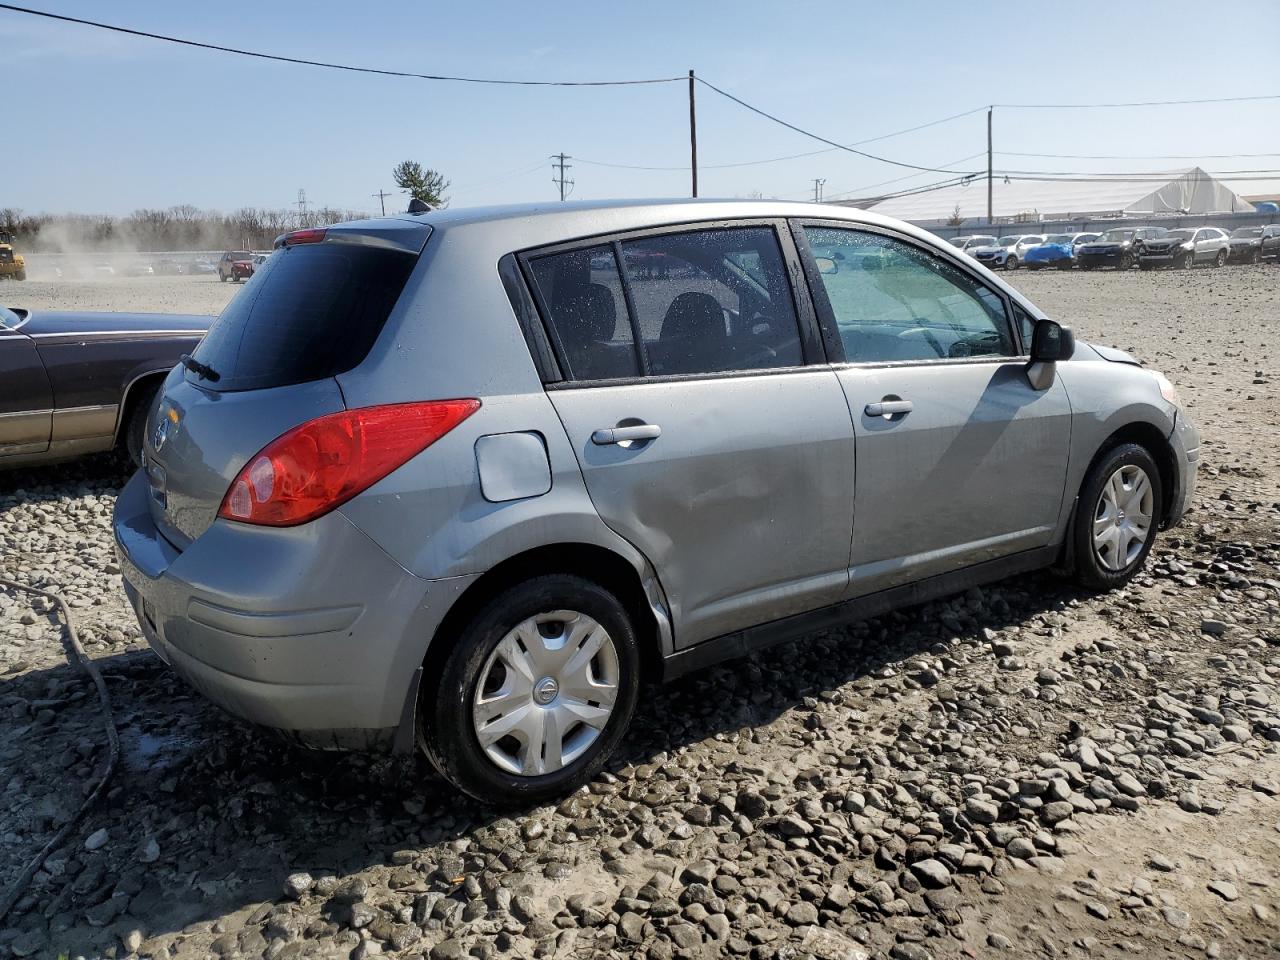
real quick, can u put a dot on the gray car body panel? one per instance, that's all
(757, 474)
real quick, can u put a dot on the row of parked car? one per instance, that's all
(1125, 248)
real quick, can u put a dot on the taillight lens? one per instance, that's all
(320, 465)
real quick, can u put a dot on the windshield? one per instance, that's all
(1181, 234)
(958, 241)
(1059, 238)
(1117, 236)
(1034, 238)
(1247, 232)
(981, 242)
(1008, 241)
(240, 255)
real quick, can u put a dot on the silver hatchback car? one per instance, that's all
(463, 480)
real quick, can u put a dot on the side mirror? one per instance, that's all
(1050, 342)
(826, 265)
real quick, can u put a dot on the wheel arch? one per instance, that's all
(134, 390)
(1150, 438)
(638, 591)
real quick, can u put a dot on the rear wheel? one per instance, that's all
(1187, 262)
(535, 696)
(1221, 259)
(135, 429)
(1116, 517)
(1126, 261)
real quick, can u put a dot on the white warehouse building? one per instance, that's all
(1027, 201)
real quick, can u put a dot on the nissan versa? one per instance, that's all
(465, 479)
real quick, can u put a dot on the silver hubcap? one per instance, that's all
(546, 693)
(1122, 520)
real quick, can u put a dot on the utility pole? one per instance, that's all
(693, 136)
(382, 199)
(560, 181)
(817, 188)
(990, 218)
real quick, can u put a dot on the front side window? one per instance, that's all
(896, 302)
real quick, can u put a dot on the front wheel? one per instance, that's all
(1011, 263)
(1126, 261)
(1221, 259)
(1187, 262)
(1116, 517)
(536, 694)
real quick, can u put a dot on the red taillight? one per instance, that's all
(314, 235)
(323, 463)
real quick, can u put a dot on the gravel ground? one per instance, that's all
(1023, 770)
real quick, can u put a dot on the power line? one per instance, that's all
(790, 156)
(330, 66)
(1166, 156)
(885, 183)
(820, 139)
(1136, 103)
(501, 177)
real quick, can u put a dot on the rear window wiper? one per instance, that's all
(199, 369)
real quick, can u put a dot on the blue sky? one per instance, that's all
(98, 122)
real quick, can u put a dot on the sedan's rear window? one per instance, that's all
(309, 312)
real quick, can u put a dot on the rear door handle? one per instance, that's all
(644, 431)
(888, 408)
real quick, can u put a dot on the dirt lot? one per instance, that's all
(1024, 770)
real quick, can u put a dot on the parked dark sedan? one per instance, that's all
(1270, 249)
(1246, 245)
(1119, 247)
(77, 383)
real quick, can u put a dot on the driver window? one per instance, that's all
(711, 301)
(896, 302)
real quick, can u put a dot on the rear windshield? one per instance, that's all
(309, 312)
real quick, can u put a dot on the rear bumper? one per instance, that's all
(312, 630)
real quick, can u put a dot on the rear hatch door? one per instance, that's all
(310, 312)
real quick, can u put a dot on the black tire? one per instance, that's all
(1221, 259)
(449, 736)
(1187, 262)
(20, 275)
(1126, 261)
(1089, 569)
(135, 429)
(1011, 263)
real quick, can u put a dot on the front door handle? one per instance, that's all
(888, 408)
(642, 432)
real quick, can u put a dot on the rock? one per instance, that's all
(1189, 801)
(826, 944)
(932, 873)
(998, 941)
(1226, 890)
(1214, 628)
(1056, 812)
(296, 885)
(980, 811)
(802, 913)
(1128, 784)
(449, 950)
(1162, 863)
(150, 851)
(1020, 848)
(96, 840)
(1096, 909)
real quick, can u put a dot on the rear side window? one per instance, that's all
(309, 312)
(582, 292)
(713, 301)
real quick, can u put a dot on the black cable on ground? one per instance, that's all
(75, 655)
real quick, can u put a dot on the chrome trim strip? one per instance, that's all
(26, 413)
(82, 423)
(116, 334)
